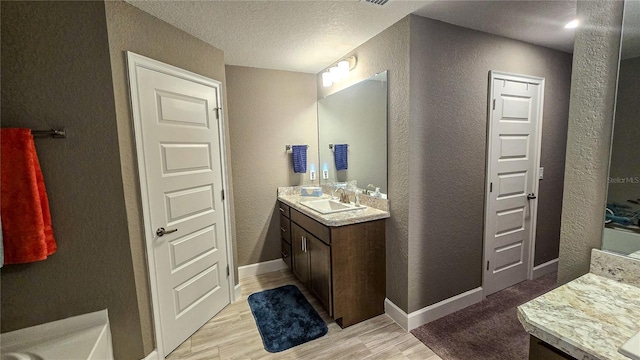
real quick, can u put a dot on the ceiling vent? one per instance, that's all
(375, 2)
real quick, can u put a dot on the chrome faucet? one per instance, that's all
(366, 190)
(344, 197)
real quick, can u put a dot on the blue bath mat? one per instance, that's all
(285, 318)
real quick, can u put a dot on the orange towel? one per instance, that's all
(26, 221)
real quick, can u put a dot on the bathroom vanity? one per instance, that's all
(591, 317)
(340, 257)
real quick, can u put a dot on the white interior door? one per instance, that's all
(181, 170)
(515, 119)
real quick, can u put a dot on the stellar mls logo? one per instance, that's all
(624, 180)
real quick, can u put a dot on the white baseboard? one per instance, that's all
(237, 292)
(261, 268)
(432, 312)
(397, 314)
(546, 268)
(152, 356)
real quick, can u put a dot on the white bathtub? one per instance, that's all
(621, 241)
(80, 337)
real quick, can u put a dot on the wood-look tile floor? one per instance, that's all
(233, 334)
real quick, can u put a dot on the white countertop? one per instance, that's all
(587, 318)
(336, 219)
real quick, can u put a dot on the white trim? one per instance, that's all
(261, 268)
(396, 314)
(432, 312)
(536, 184)
(152, 355)
(237, 290)
(546, 268)
(133, 61)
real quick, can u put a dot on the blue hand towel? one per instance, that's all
(299, 158)
(340, 156)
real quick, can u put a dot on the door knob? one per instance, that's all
(161, 231)
(531, 196)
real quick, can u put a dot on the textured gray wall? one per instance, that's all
(267, 110)
(56, 73)
(389, 50)
(625, 150)
(449, 90)
(131, 29)
(593, 84)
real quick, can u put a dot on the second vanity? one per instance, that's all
(591, 317)
(340, 257)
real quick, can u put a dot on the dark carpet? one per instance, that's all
(486, 330)
(285, 318)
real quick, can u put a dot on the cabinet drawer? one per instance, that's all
(286, 253)
(315, 228)
(285, 229)
(283, 208)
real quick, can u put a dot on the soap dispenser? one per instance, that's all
(377, 193)
(356, 198)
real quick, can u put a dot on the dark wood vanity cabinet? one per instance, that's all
(540, 350)
(285, 234)
(343, 267)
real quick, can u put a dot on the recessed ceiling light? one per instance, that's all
(572, 24)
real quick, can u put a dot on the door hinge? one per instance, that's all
(494, 104)
(228, 271)
(487, 265)
(490, 187)
(222, 194)
(217, 109)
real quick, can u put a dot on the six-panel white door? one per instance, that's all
(515, 116)
(183, 169)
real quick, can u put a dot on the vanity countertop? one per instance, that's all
(587, 318)
(336, 219)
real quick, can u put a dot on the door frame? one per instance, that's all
(533, 206)
(133, 61)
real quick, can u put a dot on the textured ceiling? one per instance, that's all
(304, 36)
(308, 36)
(537, 22)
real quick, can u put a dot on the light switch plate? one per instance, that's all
(325, 174)
(541, 173)
(312, 175)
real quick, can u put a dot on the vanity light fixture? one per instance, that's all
(339, 71)
(572, 24)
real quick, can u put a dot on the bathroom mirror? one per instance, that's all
(622, 224)
(356, 117)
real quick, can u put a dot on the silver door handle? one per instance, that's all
(531, 196)
(161, 231)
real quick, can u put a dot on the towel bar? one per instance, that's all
(288, 147)
(56, 134)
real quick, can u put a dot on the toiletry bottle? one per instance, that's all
(377, 193)
(356, 197)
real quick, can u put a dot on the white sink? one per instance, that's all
(328, 206)
(631, 348)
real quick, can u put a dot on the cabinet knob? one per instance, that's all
(284, 254)
(283, 229)
(281, 210)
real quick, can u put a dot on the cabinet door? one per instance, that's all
(286, 252)
(320, 271)
(300, 258)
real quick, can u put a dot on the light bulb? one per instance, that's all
(572, 24)
(326, 79)
(343, 66)
(335, 73)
